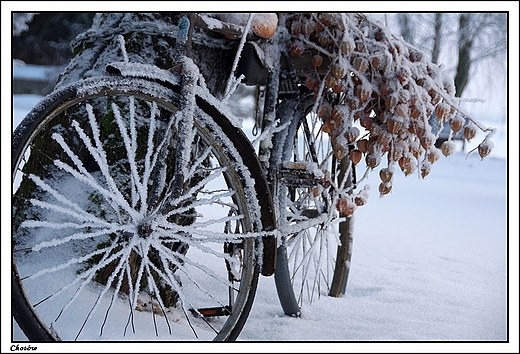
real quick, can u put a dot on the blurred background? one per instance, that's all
(473, 48)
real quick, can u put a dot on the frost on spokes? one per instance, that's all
(383, 84)
(122, 227)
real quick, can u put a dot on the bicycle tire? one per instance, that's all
(313, 259)
(95, 254)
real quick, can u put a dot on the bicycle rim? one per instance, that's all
(314, 257)
(103, 249)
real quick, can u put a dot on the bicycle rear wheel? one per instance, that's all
(103, 248)
(314, 257)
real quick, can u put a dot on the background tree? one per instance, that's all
(473, 37)
(44, 38)
(468, 40)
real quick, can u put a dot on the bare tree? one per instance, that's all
(480, 36)
(477, 36)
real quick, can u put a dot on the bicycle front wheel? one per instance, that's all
(314, 256)
(103, 247)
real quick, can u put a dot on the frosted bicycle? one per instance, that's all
(142, 211)
(135, 194)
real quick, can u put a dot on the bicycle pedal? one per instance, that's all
(212, 311)
(300, 174)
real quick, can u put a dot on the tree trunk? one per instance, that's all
(464, 63)
(437, 37)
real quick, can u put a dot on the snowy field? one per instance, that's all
(435, 261)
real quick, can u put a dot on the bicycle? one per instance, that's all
(116, 179)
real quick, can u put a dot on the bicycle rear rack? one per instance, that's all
(300, 174)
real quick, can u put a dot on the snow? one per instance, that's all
(35, 72)
(432, 261)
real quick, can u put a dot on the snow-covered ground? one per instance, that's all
(433, 261)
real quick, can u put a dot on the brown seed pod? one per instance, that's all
(425, 169)
(427, 141)
(403, 74)
(353, 103)
(338, 71)
(347, 46)
(346, 206)
(448, 148)
(355, 156)
(296, 48)
(331, 81)
(356, 79)
(442, 110)
(360, 201)
(416, 56)
(394, 124)
(378, 62)
(379, 35)
(296, 27)
(404, 96)
(362, 196)
(360, 46)
(339, 87)
(329, 125)
(352, 134)
(485, 147)
(415, 148)
(362, 93)
(324, 110)
(384, 188)
(402, 110)
(433, 155)
(317, 190)
(386, 174)
(317, 60)
(456, 123)
(339, 146)
(391, 101)
(470, 130)
(311, 83)
(366, 122)
(338, 113)
(435, 96)
(415, 112)
(328, 19)
(407, 164)
(308, 27)
(319, 27)
(323, 39)
(362, 145)
(385, 89)
(360, 64)
(385, 138)
(423, 82)
(373, 160)
(398, 150)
